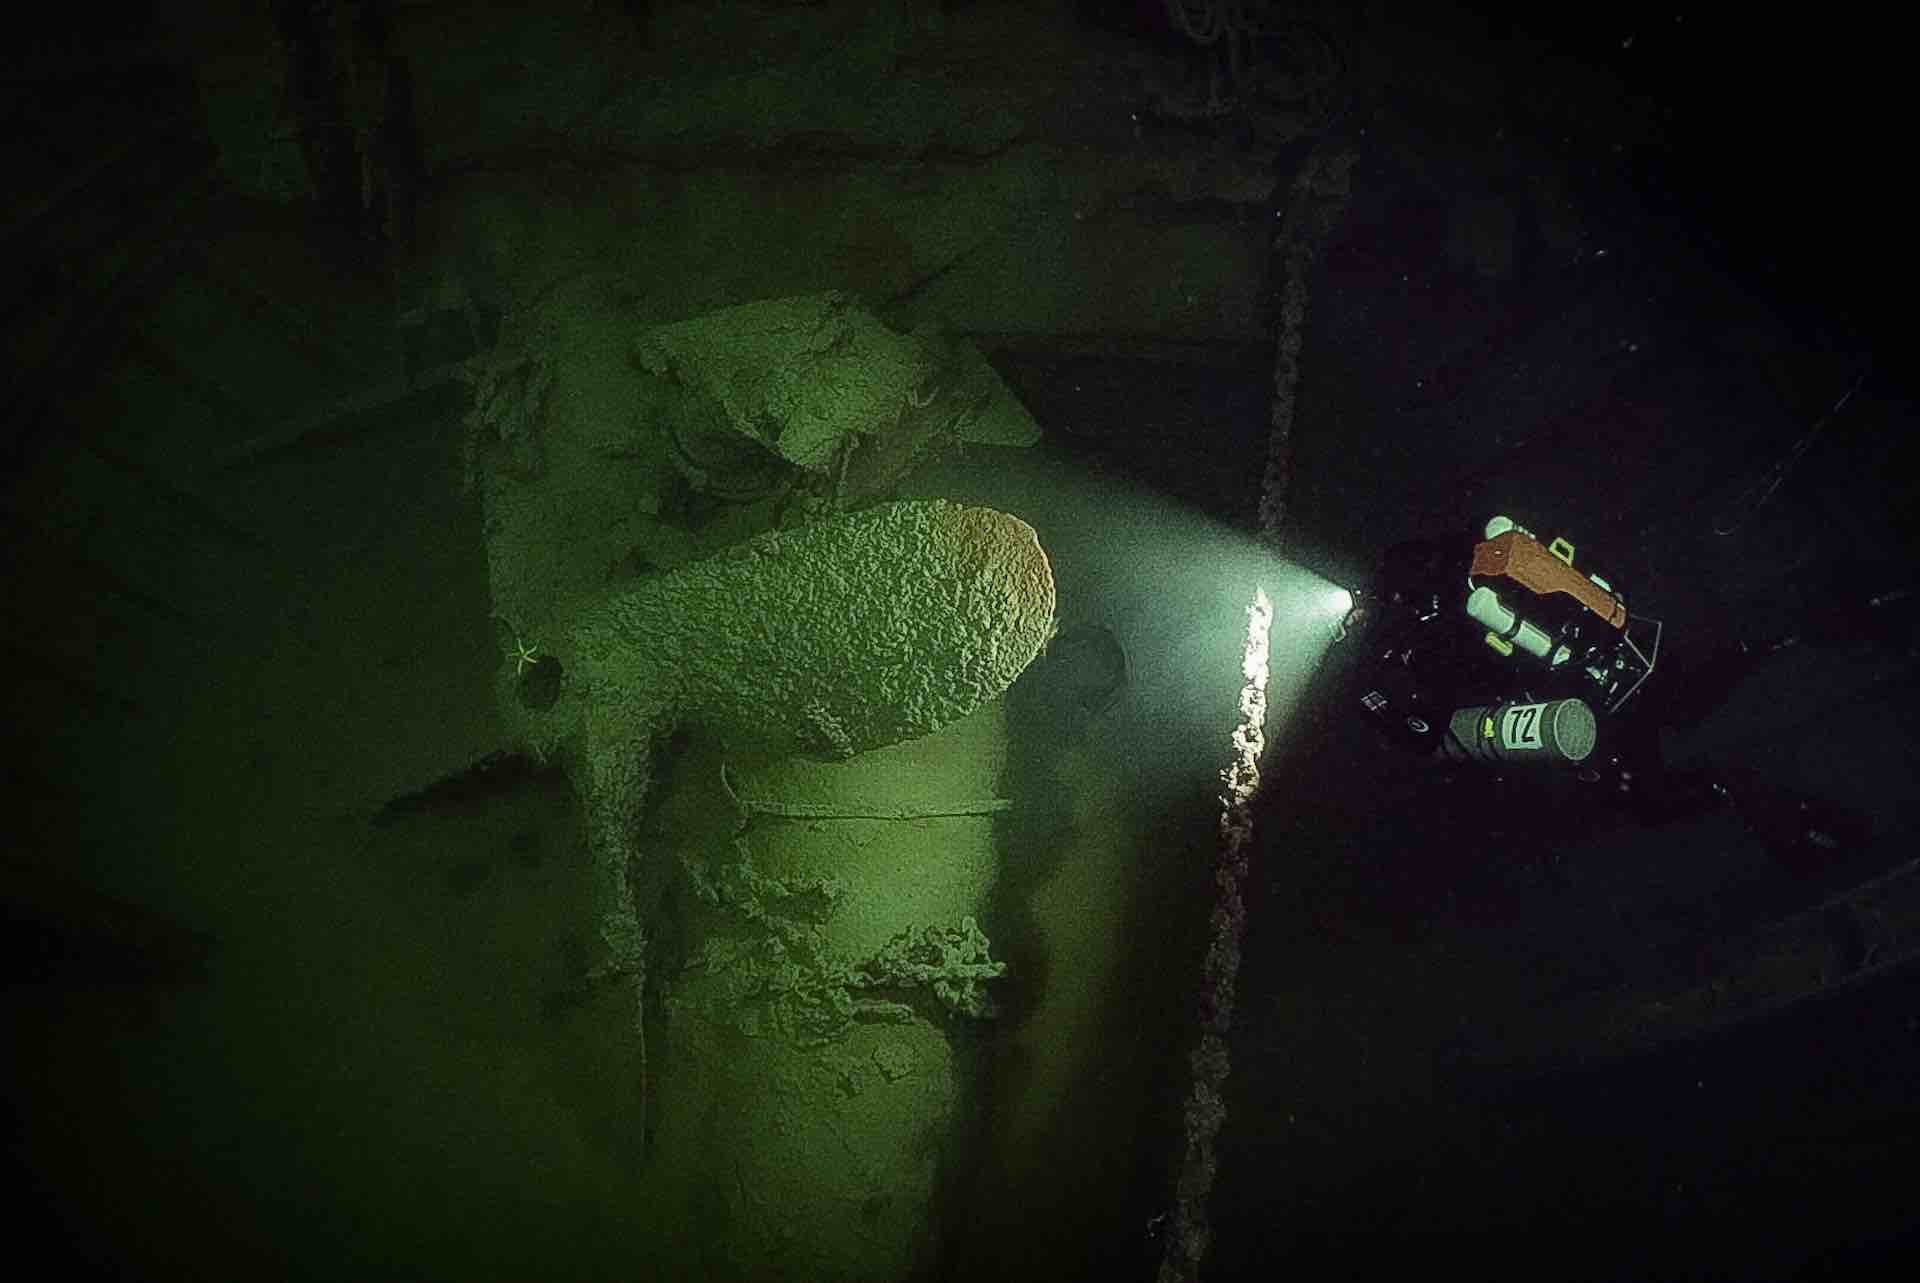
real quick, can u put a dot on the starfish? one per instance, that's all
(524, 656)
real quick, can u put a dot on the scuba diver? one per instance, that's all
(1501, 652)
